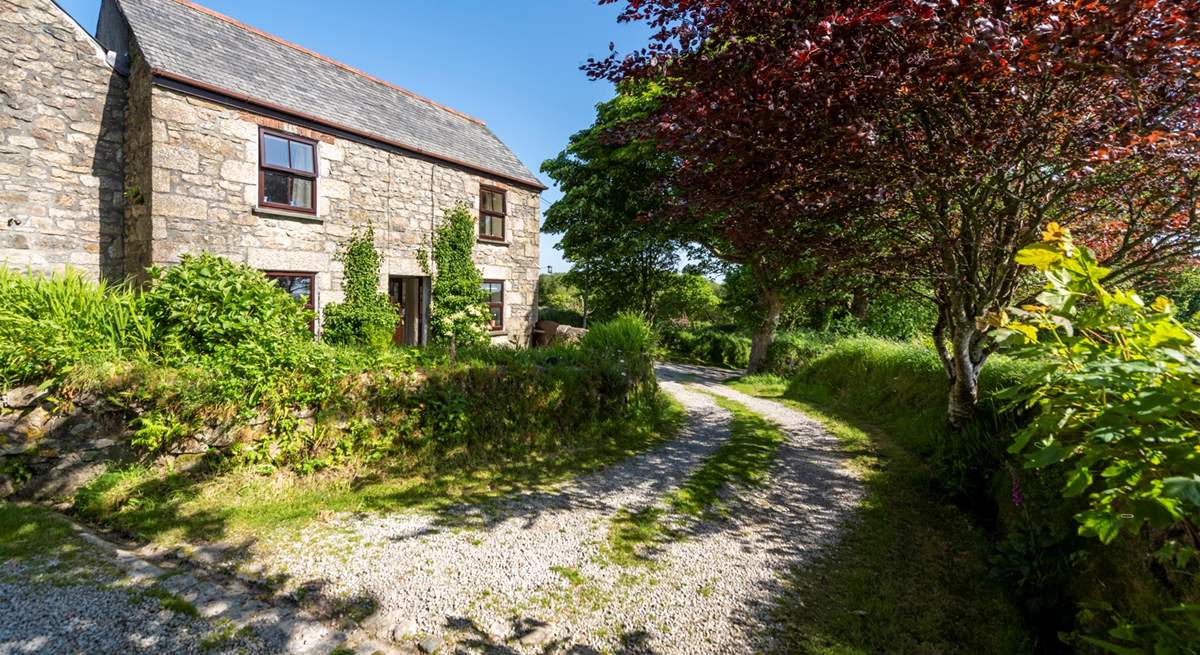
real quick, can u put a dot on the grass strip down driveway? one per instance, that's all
(744, 460)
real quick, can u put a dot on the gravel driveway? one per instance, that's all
(531, 574)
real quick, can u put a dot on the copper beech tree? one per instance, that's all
(931, 139)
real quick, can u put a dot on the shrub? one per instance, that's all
(707, 345)
(1116, 397)
(246, 338)
(562, 316)
(367, 317)
(626, 339)
(899, 316)
(1116, 415)
(791, 351)
(209, 306)
(49, 324)
(459, 308)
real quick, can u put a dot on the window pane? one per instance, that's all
(492, 202)
(497, 316)
(491, 226)
(275, 151)
(298, 286)
(301, 193)
(302, 156)
(276, 187)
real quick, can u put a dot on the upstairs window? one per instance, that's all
(287, 171)
(495, 301)
(491, 213)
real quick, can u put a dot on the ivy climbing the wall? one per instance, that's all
(459, 304)
(366, 318)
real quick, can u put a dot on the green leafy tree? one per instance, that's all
(1186, 294)
(556, 292)
(367, 317)
(692, 298)
(610, 185)
(458, 305)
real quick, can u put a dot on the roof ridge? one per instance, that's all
(299, 48)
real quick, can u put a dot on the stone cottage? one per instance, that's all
(179, 130)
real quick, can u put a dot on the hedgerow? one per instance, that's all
(213, 352)
(705, 344)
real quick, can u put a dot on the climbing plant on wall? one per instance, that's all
(458, 303)
(366, 318)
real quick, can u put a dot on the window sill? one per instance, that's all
(498, 333)
(494, 242)
(271, 212)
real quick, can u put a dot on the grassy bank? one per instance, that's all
(910, 575)
(159, 503)
(944, 504)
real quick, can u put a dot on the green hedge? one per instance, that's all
(214, 345)
(1064, 582)
(706, 345)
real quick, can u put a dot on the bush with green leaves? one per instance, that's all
(706, 345)
(1116, 401)
(458, 303)
(1116, 408)
(51, 323)
(208, 306)
(626, 338)
(366, 317)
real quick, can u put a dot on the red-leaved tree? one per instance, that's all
(932, 139)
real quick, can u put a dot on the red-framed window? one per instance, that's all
(287, 171)
(495, 301)
(492, 211)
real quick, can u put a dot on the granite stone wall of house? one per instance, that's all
(138, 184)
(203, 196)
(61, 124)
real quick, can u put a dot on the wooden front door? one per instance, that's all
(411, 295)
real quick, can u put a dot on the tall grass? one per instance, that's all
(902, 389)
(50, 323)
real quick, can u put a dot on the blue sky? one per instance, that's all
(512, 63)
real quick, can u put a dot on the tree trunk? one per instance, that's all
(962, 358)
(859, 304)
(764, 333)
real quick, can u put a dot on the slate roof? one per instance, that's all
(196, 43)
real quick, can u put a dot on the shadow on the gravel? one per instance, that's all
(475, 640)
(651, 473)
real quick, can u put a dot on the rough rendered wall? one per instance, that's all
(61, 117)
(204, 194)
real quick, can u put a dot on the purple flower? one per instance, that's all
(1018, 498)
